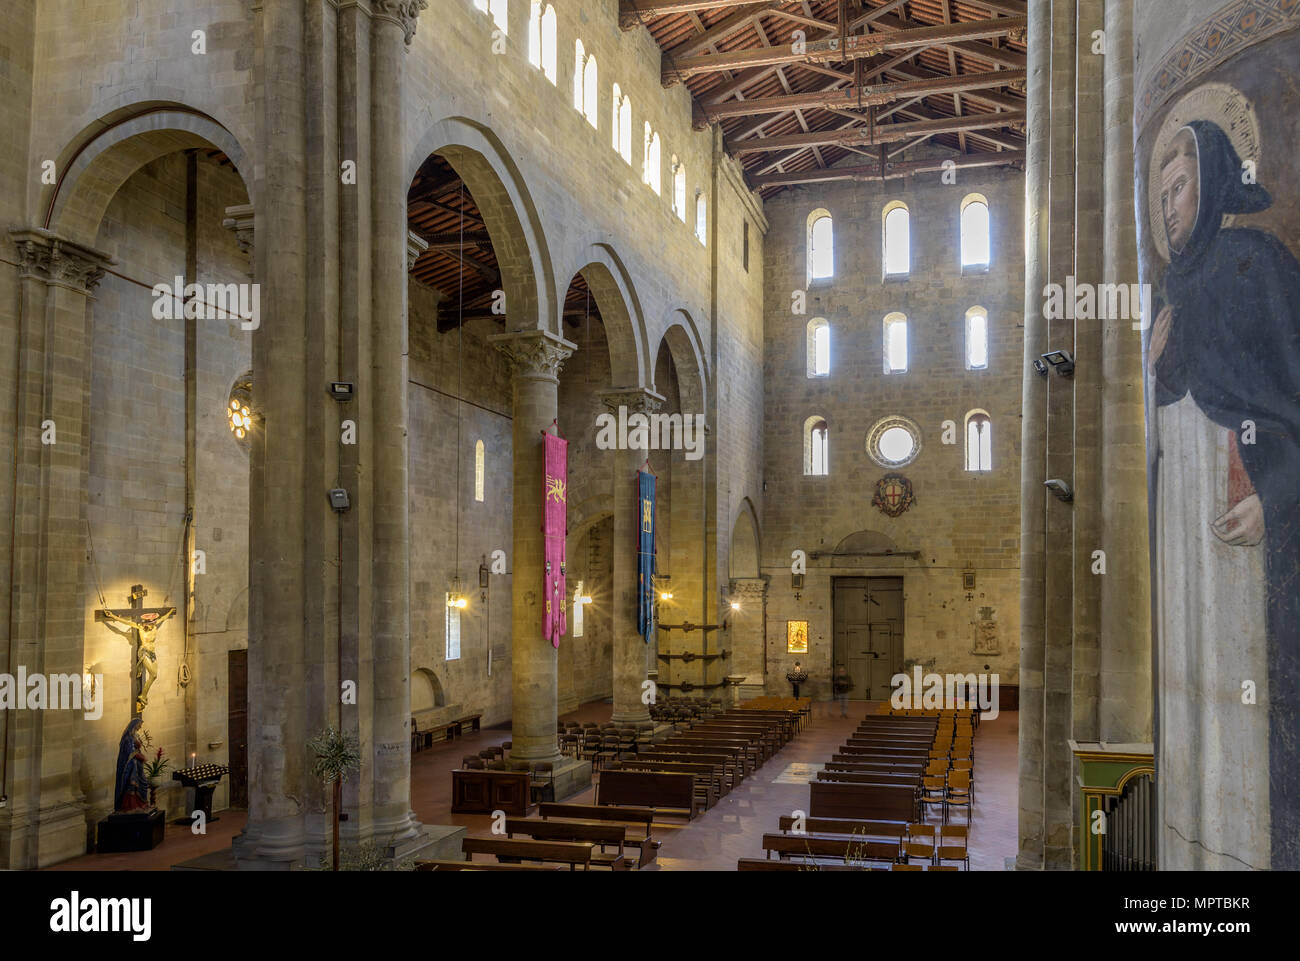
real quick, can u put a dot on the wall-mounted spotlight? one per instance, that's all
(735, 605)
(341, 390)
(1061, 360)
(339, 499)
(1060, 489)
(1041, 367)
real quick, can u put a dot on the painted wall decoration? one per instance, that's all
(1218, 205)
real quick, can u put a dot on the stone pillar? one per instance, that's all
(631, 650)
(1125, 692)
(536, 357)
(44, 821)
(1033, 441)
(279, 779)
(392, 28)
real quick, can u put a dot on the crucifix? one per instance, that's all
(141, 627)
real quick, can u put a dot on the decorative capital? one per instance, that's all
(46, 256)
(415, 245)
(534, 354)
(404, 13)
(637, 400)
(240, 220)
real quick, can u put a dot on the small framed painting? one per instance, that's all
(796, 637)
(968, 581)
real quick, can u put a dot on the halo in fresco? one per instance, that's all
(1221, 103)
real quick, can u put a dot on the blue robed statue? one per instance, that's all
(131, 790)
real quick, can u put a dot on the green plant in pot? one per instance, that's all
(154, 769)
(336, 754)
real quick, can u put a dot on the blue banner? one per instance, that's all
(645, 556)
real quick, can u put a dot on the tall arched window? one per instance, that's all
(577, 610)
(451, 627)
(897, 240)
(895, 343)
(589, 87)
(625, 128)
(819, 347)
(535, 34)
(679, 189)
(816, 447)
(652, 174)
(579, 60)
(977, 338)
(701, 217)
(478, 470)
(541, 38)
(979, 441)
(975, 246)
(498, 10)
(821, 246)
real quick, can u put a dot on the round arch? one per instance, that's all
(493, 177)
(687, 351)
(100, 159)
(610, 282)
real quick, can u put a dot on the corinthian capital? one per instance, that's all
(50, 258)
(637, 400)
(402, 12)
(534, 354)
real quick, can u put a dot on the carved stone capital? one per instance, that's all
(534, 354)
(415, 245)
(65, 263)
(404, 13)
(637, 400)
(240, 220)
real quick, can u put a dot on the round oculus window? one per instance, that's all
(894, 442)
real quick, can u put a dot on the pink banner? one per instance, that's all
(555, 523)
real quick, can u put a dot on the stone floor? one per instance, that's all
(712, 842)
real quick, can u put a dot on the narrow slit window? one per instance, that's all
(979, 442)
(975, 232)
(898, 241)
(478, 471)
(895, 344)
(977, 339)
(821, 247)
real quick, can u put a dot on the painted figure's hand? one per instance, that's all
(1159, 337)
(1243, 526)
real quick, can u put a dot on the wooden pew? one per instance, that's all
(764, 741)
(848, 849)
(883, 767)
(775, 864)
(726, 763)
(709, 779)
(895, 830)
(749, 752)
(436, 865)
(673, 793)
(596, 832)
(870, 777)
(870, 802)
(892, 754)
(571, 853)
(638, 823)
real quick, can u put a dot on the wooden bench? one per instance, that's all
(436, 865)
(471, 719)
(673, 793)
(424, 732)
(868, 829)
(736, 758)
(870, 777)
(725, 764)
(596, 832)
(749, 752)
(571, 853)
(883, 767)
(869, 802)
(710, 781)
(775, 864)
(638, 820)
(855, 850)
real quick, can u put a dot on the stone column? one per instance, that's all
(631, 651)
(392, 28)
(1126, 697)
(279, 780)
(45, 819)
(536, 357)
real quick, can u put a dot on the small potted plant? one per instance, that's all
(153, 772)
(337, 752)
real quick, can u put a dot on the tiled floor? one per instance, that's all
(713, 841)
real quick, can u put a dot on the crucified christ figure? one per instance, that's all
(145, 631)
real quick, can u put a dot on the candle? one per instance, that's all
(192, 757)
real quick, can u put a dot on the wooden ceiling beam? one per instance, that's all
(721, 30)
(633, 12)
(831, 51)
(885, 171)
(870, 94)
(889, 133)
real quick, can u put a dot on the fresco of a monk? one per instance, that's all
(1224, 376)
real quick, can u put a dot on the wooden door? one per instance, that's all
(852, 625)
(237, 726)
(885, 611)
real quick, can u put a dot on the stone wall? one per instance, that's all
(960, 521)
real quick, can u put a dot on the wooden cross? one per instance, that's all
(142, 625)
